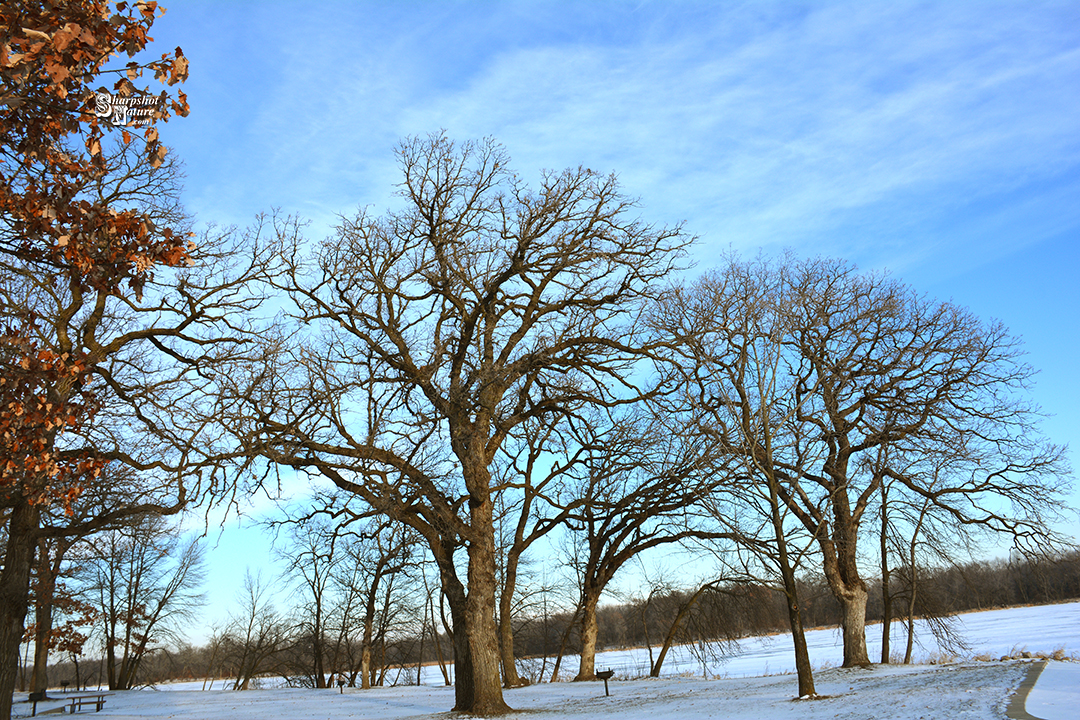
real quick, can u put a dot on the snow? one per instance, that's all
(1056, 695)
(992, 633)
(967, 689)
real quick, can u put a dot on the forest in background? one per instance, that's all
(285, 650)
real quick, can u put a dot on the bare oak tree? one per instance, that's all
(641, 486)
(726, 329)
(437, 329)
(144, 579)
(352, 574)
(256, 635)
(865, 364)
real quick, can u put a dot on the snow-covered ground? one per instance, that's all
(747, 685)
(990, 634)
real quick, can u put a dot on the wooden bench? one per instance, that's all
(76, 702)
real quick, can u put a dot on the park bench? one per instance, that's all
(76, 702)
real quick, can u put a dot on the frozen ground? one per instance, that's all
(993, 633)
(967, 689)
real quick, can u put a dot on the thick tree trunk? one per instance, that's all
(477, 681)
(463, 667)
(482, 635)
(853, 623)
(23, 524)
(589, 631)
(454, 592)
(365, 658)
(842, 573)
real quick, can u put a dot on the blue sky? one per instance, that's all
(939, 141)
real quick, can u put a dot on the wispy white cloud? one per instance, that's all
(758, 124)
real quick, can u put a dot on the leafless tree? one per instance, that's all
(376, 585)
(641, 488)
(100, 507)
(312, 558)
(354, 574)
(922, 535)
(879, 365)
(726, 332)
(256, 635)
(528, 480)
(438, 329)
(144, 578)
(866, 364)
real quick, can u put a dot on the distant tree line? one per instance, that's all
(285, 651)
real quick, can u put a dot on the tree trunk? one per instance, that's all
(589, 631)
(853, 623)
(48, 568)
(511, 679)
(318, 650)
(910, 627)
(420, 655)
(911, 611)
(39, 679)
(886, 598)
(482, 636)
(464, 691)
(791, 595)
(365, 658)
(886, 617)
(654, 668)
(463, 668)
(798, 635)
(562, 644)
(645, 633)
(438, 640)
(478, 681)
(23, 524)
(842, 574)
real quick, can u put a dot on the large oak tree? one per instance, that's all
(859, 364)
(435, 331)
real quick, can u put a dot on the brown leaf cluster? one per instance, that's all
(53, 57)
(33, 415)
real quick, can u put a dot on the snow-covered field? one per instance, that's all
(746, 685)
(992, 633)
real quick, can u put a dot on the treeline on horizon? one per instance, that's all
(721, 612)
